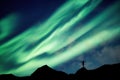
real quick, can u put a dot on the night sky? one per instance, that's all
(59, 33)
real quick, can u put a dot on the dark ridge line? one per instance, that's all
(105, 72)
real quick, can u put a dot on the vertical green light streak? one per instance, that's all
(7, 25)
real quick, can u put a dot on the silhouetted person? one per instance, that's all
(83, 63)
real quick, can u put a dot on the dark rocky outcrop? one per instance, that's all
(106, 72)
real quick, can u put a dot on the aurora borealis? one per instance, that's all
(73, 29)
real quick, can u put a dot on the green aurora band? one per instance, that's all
(57, 37)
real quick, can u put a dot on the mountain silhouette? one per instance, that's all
(45, 73)
(7, 77)
(105, 72)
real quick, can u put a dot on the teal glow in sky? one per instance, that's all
(59, 39)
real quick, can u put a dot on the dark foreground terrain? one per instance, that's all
(106, 72)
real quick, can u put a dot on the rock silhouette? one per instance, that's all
(47, 73)
(105, 72)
